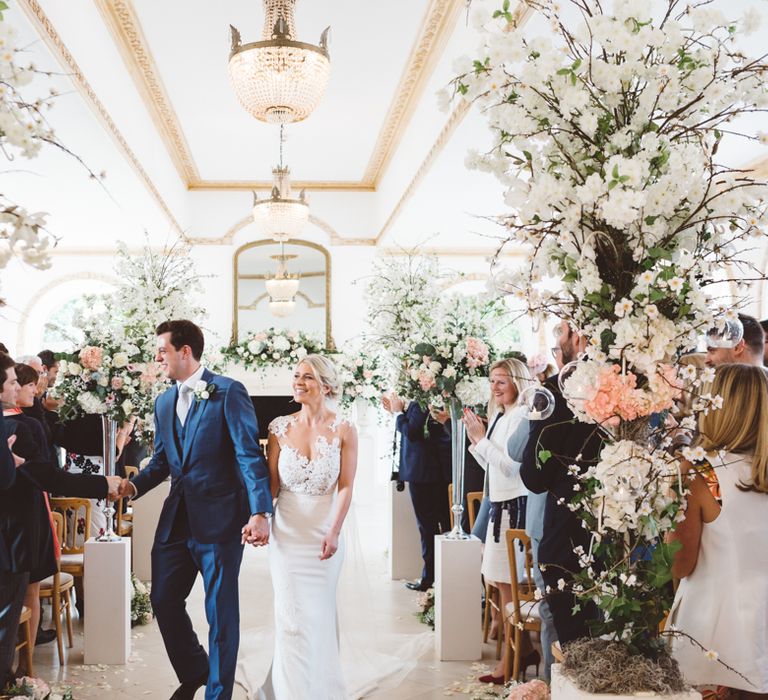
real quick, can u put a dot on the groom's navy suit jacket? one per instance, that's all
(215, 463)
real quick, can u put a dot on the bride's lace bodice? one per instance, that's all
(298, 473)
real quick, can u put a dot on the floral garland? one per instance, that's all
(35, 688)
(362, 377)
(606, 136)
(141, 606)
(273, 347)
(426, 603)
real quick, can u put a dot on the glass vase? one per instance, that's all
(109, 433)
(458, 442)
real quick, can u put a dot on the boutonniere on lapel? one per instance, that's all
(204, 390)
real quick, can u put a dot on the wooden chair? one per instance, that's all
(26, 639)
(59, 589)
(124, 517)
(76, 514)
(522, 613)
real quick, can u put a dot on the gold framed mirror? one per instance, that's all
(256, 263)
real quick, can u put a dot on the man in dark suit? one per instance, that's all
(206, 440)
(565, 439)
(425, 463)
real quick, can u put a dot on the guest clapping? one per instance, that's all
(508, 379)
(722, 600)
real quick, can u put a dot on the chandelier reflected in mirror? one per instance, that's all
(282, 287)
(278, 79)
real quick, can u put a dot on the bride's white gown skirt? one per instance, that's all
(306, 663)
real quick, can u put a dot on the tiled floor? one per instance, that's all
(148, 673)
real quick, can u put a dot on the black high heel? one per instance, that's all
(532, 659)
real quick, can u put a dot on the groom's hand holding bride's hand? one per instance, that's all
(256, 531)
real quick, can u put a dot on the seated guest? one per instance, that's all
(764, 326)
(565, 440)
(749, 350)
(722, 600)
(425, 463)
(25, 520)
(508, 379)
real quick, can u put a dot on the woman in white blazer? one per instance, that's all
(508, 378)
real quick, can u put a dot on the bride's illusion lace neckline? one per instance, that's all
(315, 475)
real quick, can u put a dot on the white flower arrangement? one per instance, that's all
(362, 377)
(606, 136)
(273, 347)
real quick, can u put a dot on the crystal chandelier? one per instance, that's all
(282, 287)
(278, 79)
(281, 216)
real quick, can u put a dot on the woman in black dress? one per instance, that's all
(25, 521)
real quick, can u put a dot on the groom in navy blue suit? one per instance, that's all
(206, 439)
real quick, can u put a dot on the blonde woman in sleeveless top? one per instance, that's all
(722, 600)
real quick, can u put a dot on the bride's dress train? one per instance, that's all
(307, 662)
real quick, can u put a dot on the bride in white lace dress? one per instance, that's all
(312, 458)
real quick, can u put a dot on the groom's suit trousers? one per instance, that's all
(175, 565)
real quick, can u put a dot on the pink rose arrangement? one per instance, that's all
(477, 353)
(91, 357)
(616, 396)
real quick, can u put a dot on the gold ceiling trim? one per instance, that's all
(521, 15)
(443, 137)
(249, 185)
(62, 54)
(333, 236)
(124, 25)
(436, 28)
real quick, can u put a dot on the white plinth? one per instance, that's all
(458, 630)
(405, 560)
(146, 513)
(107, 588)
(563, 689)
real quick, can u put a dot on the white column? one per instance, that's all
(458, 630)
(405, 560)
(146, 513)
(107, 588)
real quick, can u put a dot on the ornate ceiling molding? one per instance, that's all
(123, 23)
(439, 21)
(62, 54)
(521, 15)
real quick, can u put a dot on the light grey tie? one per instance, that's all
(182, 405)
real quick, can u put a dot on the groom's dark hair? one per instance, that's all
(184, 333)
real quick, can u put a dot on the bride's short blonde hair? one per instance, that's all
(325, 373)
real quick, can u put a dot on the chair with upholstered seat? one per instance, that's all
(522, 613)
(58, 588)
(77, 530)
(26, 639)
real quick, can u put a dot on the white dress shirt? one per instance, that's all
(503, 473)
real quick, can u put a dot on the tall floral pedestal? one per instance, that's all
(405, 559)
(563, 688)
(146, 513)
(107, 587)
(458, 633)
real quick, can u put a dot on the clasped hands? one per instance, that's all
(256, 531)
